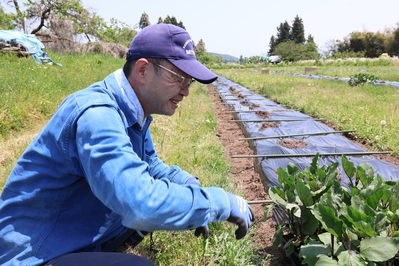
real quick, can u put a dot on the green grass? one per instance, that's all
(384, 69)
(32, 92)
(390, 73)
(370, 110)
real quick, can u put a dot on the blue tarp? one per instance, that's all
(30, 42)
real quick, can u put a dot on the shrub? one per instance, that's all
(361, 79)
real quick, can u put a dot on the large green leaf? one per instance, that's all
(365, 173)
(378, 249)
(292, 169)
(275, 196)
(327, 218)
(324, 260)
(348, 167)
(351, 258)
(296, 211)
(326, 239)
(304, 193)
(393, 203)
(312, 251)
(373, 192)
(313, 165)
(290, 195)
(360, 222)
(359, 204)
(310, 224)
(331, 172)
(317, 194)
(283, 176)
(278, 237)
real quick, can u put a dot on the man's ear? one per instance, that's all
(141, 69)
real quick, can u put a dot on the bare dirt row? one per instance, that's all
(249, 180)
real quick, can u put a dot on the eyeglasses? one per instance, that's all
(185, 82)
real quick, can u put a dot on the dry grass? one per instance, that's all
(12, 147)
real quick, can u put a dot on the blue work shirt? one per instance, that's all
(90, 173)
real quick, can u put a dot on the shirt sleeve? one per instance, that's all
(122, 181)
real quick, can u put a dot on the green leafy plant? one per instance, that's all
(361, 79)
(331, 223)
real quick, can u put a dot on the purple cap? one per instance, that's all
(172, 43)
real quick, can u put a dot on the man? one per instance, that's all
(92, 174)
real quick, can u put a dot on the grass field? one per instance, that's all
(384, 69)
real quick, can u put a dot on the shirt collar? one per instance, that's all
(133, 101)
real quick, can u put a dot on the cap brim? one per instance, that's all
(195, 69)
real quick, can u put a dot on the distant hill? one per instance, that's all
(226, 57)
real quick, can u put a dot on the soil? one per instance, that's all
(263, 114)
(266, 125)
(248, 179)
(292, 144)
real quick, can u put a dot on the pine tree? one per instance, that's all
(272, 45)
(298, 31)
(171, 20)
(310, 39)
(200, 47)
(283, 33)
(144, 21)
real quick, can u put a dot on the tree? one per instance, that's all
(118, 32)
(144, 21)
(292, 51)
(310, 38)
(200, 47)
(369, 42)
(391, 43)
(272, 45)
(41, 10)
(283, 33)
(171, 20)
(6, 20)
(90, 25)
(38, 14)
(287, 33)
(298, 31)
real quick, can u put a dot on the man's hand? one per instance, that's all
(240, 214)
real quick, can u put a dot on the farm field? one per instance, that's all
(370, 110)
(384, 69)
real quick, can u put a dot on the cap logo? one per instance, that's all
(188, 51)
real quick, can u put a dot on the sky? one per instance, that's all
(244, 27)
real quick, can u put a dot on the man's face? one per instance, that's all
(163, 91)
